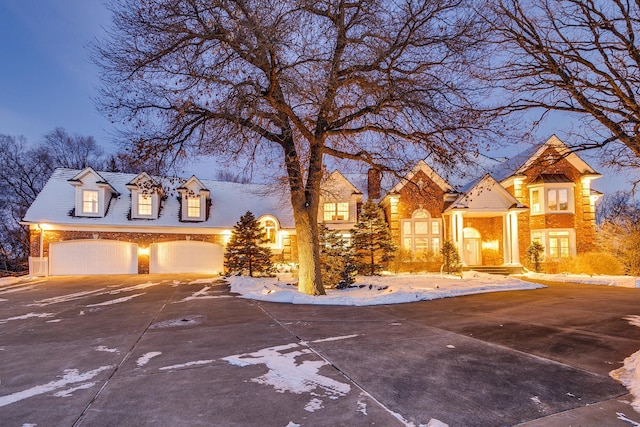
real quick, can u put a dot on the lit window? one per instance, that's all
(270, 230)
(90, 201)
(535, 201)
(336, 211)
(144, 204)
(193, 207)
(559, 244)
(421, 234)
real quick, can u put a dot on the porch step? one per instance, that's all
(490, 270)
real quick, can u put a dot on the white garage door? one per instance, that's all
(185, 256)
(92, 257)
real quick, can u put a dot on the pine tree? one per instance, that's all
(450, 258)
(334, 256)
(371, 240)
(244, 253)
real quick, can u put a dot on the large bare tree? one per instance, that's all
(575, 56)
(287, 83)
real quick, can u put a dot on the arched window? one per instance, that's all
(421, 234)
(271, 228)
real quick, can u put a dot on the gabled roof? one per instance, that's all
(76, 180)
(520, 163)
(229, 201)
(485, 195)
(336, 178)
(145, 181)
(191, 183)
(433, 175)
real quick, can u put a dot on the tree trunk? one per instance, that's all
(309, 273)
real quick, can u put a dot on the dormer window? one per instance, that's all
(145, 204)
(93, 194)
(146, 195)
(193, 199)
(90, 201)
(193, 207)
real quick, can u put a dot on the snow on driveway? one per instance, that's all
(71, 376)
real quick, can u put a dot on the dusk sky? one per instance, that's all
(48, 81)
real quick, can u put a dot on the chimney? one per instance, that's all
(374, 177)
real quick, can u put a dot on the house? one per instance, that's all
(542, 195)
(90, 222)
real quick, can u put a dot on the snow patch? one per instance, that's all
(115, 301)
(145, 358)
(314, 404)
(292, 424)
(629, 373)
(287, 373)
(362, 405)
(436, 423)
(204, 294)
(67, 298)
(70, 376)
(377, 290)
(69, 392)
(585, 279)
(105, 349)
(623, 417)
(26, 316)
(188, 364)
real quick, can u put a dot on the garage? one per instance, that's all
(186, 256)
(79, 257)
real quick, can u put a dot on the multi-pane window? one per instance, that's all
(551, 200)
(421, 234)
(535, 201)
(193, 207)
(144, 204)
(558, 199)
(270, 230)
(90, 201)
(558, 244)
(336, 211)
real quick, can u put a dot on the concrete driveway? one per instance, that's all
(176, 351)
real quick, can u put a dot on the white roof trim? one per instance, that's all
(555, 142)
(422, 166)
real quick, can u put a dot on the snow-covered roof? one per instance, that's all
(229, 201)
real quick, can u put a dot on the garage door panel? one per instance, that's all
(79, 257)
(186, 256)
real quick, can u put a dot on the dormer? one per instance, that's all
(93, 193)
(146, 194)
(193, 199)
(339, 200)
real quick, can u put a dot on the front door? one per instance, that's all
(472, 247)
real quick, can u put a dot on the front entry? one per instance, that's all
(472, 247)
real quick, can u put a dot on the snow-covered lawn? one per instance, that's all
(376, 290)
(394, 289)
(585, 279)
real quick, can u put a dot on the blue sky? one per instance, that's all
(47, 79)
